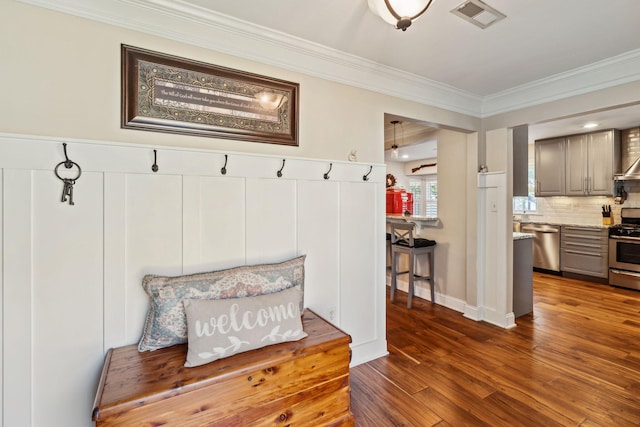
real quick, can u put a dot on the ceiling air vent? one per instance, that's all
(478, 13)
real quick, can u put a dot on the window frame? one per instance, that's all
(426, 204)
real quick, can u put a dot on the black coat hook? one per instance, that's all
(154, 167)
(67, 163)
(67, 189)
(366, 177)
(326, 175)
(223, 171)
(280, 171)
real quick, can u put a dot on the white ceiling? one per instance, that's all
(543, 50)
(538, 38)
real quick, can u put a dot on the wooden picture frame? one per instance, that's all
(165, 93)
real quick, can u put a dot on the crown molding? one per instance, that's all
(183, 22)
(614, 71)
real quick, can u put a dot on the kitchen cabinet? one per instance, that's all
(577, 165)
(584, 250)
(589, 164)
(549, 167)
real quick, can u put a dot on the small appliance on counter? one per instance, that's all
(607, 219)
(621, 195)
(399, 201)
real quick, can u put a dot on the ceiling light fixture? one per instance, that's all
(590, 125)
(394, 147)
(399, 13)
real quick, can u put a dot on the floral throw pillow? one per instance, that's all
(222, 328)
(166, 323)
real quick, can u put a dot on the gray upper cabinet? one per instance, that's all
(603, 151)
(550, 167)
(590, 164)
(586, 162)
(576, 165)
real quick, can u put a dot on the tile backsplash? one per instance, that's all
(582, 210)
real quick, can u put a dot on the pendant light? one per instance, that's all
(399, 13)
(394, 147)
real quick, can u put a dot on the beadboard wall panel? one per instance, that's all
(214, 223)
(71, 275)
(357, 219)
(1, 289)
(271, 218)
(66, 263)
(152, 241)
(16, 298)
(318, 234)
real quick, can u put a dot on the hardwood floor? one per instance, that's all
(574, 362)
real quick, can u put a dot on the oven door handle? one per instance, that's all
(626, 239)
(625, 272)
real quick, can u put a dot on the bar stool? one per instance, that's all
(403, 242)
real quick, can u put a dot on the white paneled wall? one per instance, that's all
(71, 275)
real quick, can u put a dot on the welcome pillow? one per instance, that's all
(166, 324)
(222, 328)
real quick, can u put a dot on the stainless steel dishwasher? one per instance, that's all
(546, 245)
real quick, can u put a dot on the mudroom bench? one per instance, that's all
(300, 383)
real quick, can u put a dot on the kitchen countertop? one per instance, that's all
(415, 218)
(564, 223)
(522, 236)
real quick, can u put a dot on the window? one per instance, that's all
(415, 188)
(425, 196)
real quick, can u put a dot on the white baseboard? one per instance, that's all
(424, 292)
(468, 311)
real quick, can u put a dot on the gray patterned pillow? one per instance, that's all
(166, 323)
(222, 328)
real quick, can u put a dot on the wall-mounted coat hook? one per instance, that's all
(67, 190)
(223, 171)
(326, 175)
(280, 171)
(154, 167)
(366, 177)
(67, 163)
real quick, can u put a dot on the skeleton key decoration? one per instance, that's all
(67, 190)
(69, 182)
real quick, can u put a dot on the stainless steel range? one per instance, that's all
(624, 250)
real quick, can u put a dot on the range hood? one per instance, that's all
(633, 173)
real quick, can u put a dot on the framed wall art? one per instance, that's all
(165, 93)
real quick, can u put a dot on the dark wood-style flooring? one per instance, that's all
(574, 362)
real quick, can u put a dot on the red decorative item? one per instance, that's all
(399, 202)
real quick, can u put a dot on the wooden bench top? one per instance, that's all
(130, 378)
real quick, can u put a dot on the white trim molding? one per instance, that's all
(181, 21)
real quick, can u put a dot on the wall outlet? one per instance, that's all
(332, 313)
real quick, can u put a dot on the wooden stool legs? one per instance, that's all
(411, 272)
(394, 275)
